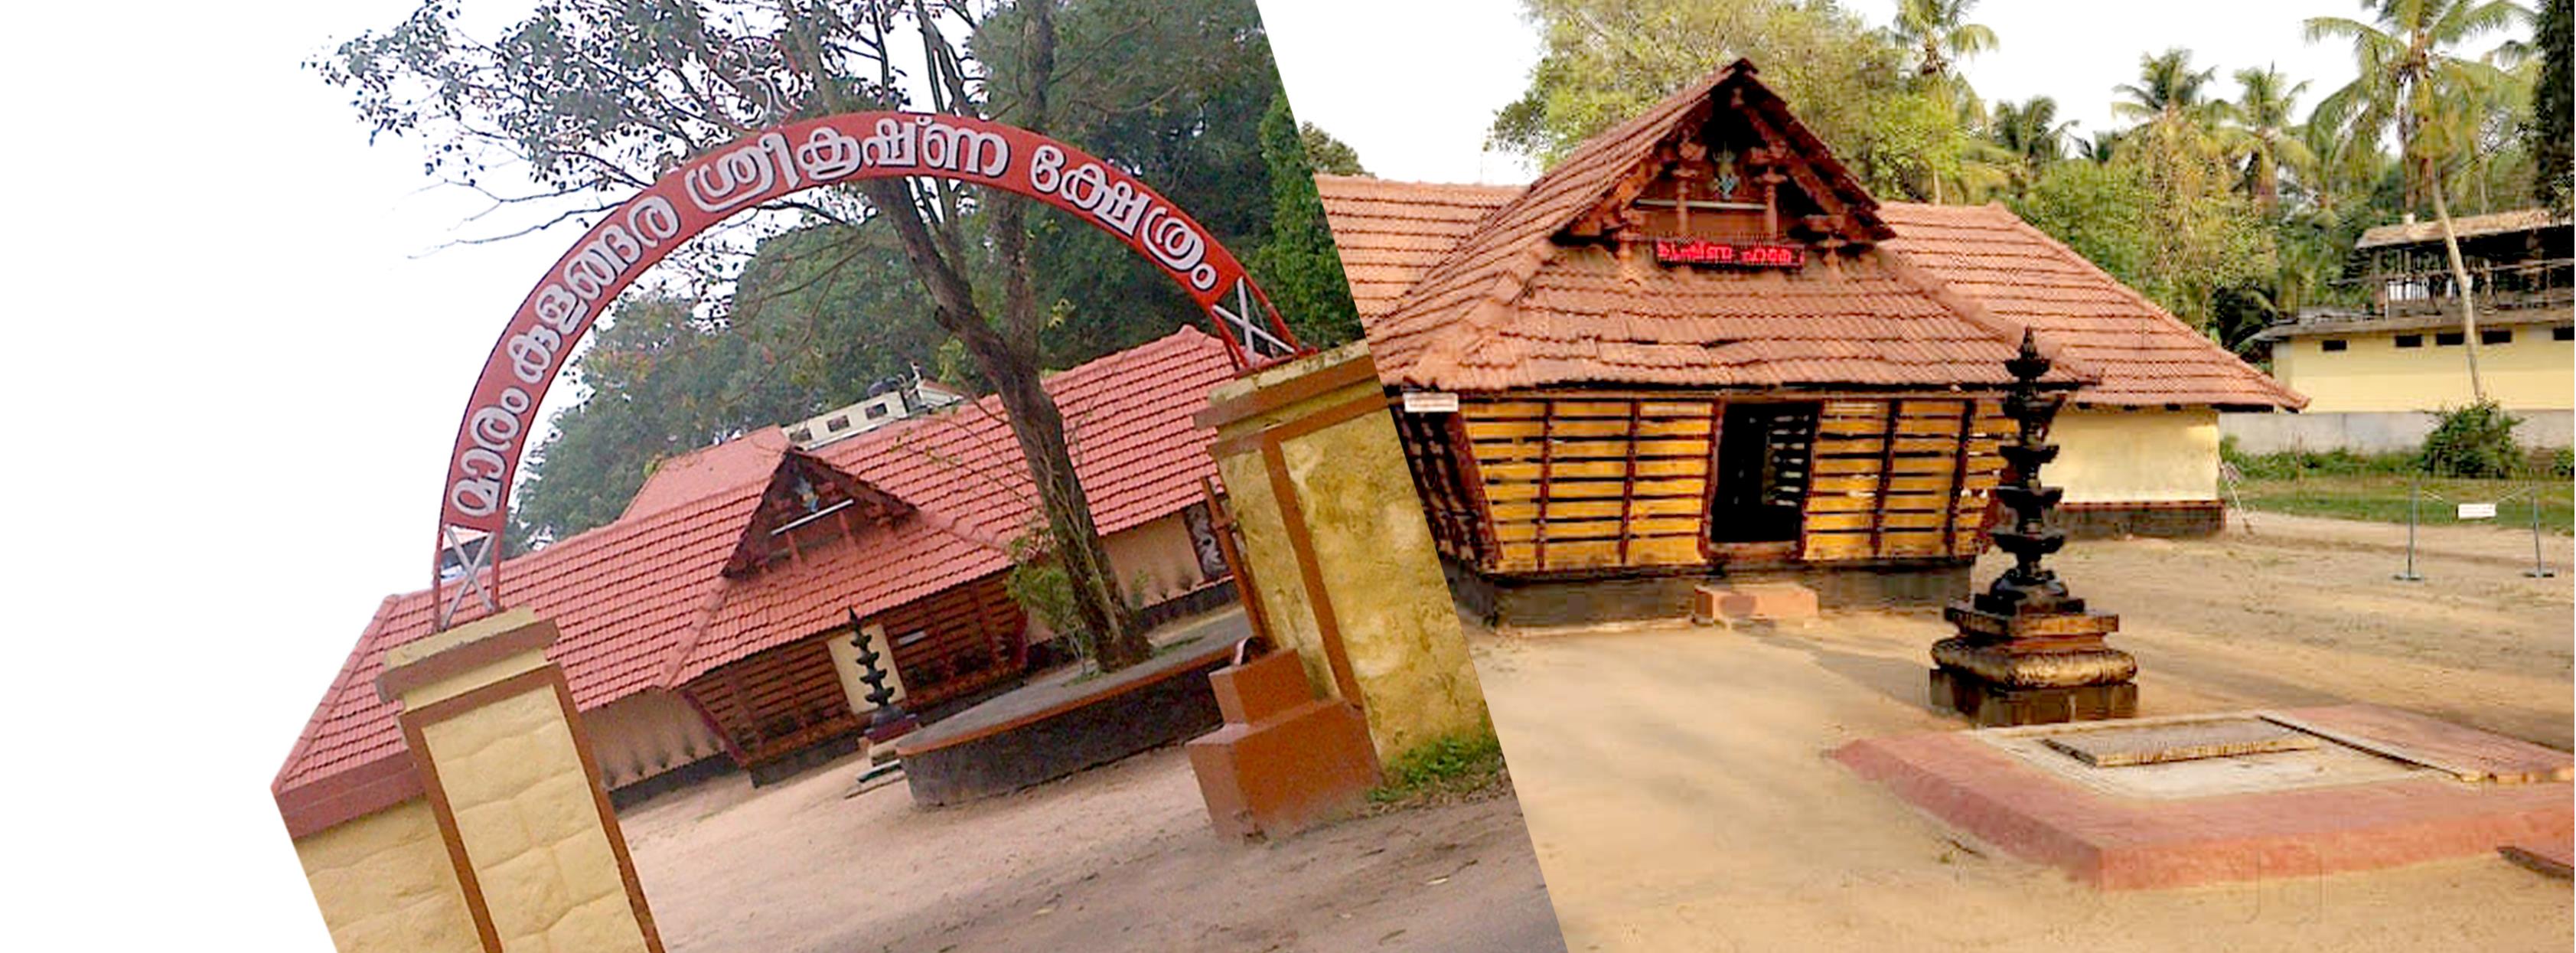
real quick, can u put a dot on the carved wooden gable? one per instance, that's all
(1738, 180)
(809, 501)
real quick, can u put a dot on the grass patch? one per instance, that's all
(2381, 497)
(1456, 768)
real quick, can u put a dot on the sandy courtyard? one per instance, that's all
(1115, 858)
(1675, 780)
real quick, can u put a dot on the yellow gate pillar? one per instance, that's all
(1338, 556)
(510, 777)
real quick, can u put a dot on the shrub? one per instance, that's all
(2474, 441)
(1445, 767)
(1043, 589)
(2292, 464)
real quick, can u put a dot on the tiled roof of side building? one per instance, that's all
(1139, 454)
(2145, 355)
(1397, 230)
(643, 602)
(621, 596)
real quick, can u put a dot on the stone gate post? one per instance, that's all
(1341, 562)
(510, 778)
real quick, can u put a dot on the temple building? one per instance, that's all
(707, 628)
(2378, 372)
(1698, 345)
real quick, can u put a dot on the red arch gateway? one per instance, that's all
(769, 164)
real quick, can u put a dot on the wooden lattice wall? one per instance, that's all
(1900, 479)
(1577, 484)
(788, 698)
(1551, 483)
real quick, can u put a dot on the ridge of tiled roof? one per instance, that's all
(2145, 355)
(966, 458)
(643, 602)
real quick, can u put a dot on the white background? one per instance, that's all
(231, 375)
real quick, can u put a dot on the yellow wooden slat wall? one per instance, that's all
(1569, 487)
(1905, 478)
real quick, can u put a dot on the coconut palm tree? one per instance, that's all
(2030, 136)
(2413, 80)
(1936, 31)
(2262, 135)
(2167, 89)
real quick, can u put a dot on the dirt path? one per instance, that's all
(1116, 858)
(1675, 783)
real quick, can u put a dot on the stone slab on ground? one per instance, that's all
(2121, 746)
(2116, 843)
(2469, 754)
(1770, 601)
(2555, 858)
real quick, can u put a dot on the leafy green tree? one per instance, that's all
(1607, 60)
(1299, 267)
(662, 382)
(2096, 209)
(2160, 217)
(2414, 81)
(2546, 134)
(594, 100)
(1329, 155)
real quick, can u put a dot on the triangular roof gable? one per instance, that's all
(1735, 142)
(802, 488)
(1488, 315)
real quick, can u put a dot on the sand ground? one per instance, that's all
(1675, 782)
(1115, 858)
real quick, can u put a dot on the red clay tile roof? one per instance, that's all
(1396, 232)
(1508, 306)
(1139, 454)
(692, 476)
(643, 603)
(1389, 233)
(2145, 355)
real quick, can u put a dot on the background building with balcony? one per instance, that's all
(2376, 374)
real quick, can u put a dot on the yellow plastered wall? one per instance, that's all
(1373, 556)
(648, 733)
(1159, 555)
(2372, 374)
(2109, 455)
(531, 828)
(385, 884)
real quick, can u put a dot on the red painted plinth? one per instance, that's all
(2120, 843)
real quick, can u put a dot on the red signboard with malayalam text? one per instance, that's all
(1700, 251)
(501, 414)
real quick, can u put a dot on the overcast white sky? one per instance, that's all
(1414, 85)
(232, 374)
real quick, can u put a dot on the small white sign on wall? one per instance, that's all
(1430, 402)
(2477, 511)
